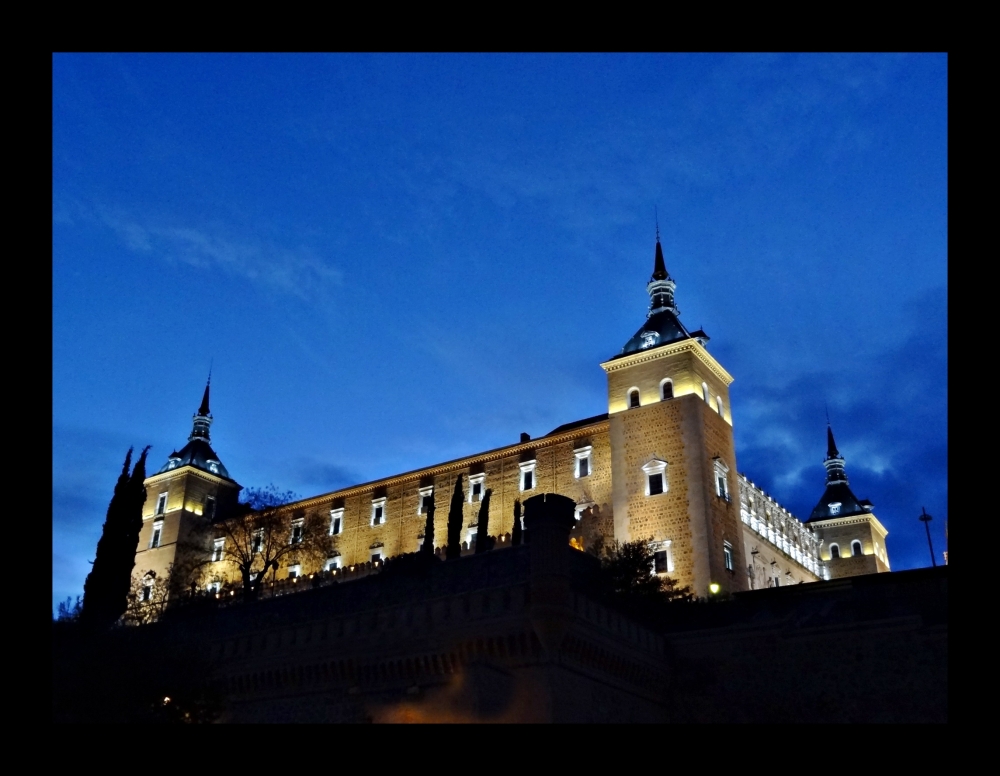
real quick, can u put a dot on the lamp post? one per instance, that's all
(926, 520)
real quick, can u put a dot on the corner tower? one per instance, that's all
(852, 540)
(673, 461)
(193, 483)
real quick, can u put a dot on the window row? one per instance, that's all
(208, 511)
(667, 392)
(856, 550)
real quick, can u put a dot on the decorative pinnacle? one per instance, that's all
(831, 446)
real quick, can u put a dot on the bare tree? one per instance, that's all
(146, 598)
(260, 537)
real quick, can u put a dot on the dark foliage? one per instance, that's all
(455, 516)
(428, 545)
(129, 675)
(515, 536)
(105, 591)
(626, 570)
(483, 541)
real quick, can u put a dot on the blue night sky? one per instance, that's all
(399, 260)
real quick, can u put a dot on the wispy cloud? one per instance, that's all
(295, 271)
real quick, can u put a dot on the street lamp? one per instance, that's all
(926, 520)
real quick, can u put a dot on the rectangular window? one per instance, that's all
(297, 531)
(257, 543)
(425, 497)
(529, 481)
(161, 504)
(656, 484)
(378, 511)
(217, 547)
(154, 541)
(147, 590)
(660, 562)
(477, 491)
(336, 521)
(727, 554)
(294, 571)
(376, 557)
(584, 467)
(333, 563)
(209, 508)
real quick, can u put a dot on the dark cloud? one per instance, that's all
(889, 415)
(320, 477)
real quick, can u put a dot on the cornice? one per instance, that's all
(189, 469)
(455, 465)
(664, 351)
(849, 520)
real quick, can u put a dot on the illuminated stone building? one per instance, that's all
(659, 465)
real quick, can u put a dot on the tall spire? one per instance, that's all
(660, 287)
(834, 461)
(203, 418)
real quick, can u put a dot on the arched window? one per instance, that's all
(704, 391)
(666, 389)
(718, 401)
(633, 397)
(834, 551)
(856, 548)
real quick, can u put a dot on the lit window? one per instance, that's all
(476, 487)
(209, 508)
(656, 477)
(666, 389)
(633, 397)
(376, 556)
(721, 478)
(663, 557)
(583, 461)
(718, 401)
(257, 541)
(426, 498)
(834, 551)
(147, 589)
(217, 547)
(727, 556)
(294, 571)
(704, 392)
(332, 563)
(336, 521)
(214, 586)
(297, 531)
(527, 475)
(378, 511)
(856, 548)
(161, 504)
(154, 540)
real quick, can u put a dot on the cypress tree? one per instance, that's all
(515, 535)
(105, 591)
(455, 522)
(483, 529)
(428, 545)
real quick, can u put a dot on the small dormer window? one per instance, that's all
(834, 507)
(213, 466)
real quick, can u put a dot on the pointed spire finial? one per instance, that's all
(831, 446)
(203, 409)
(656, 218)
